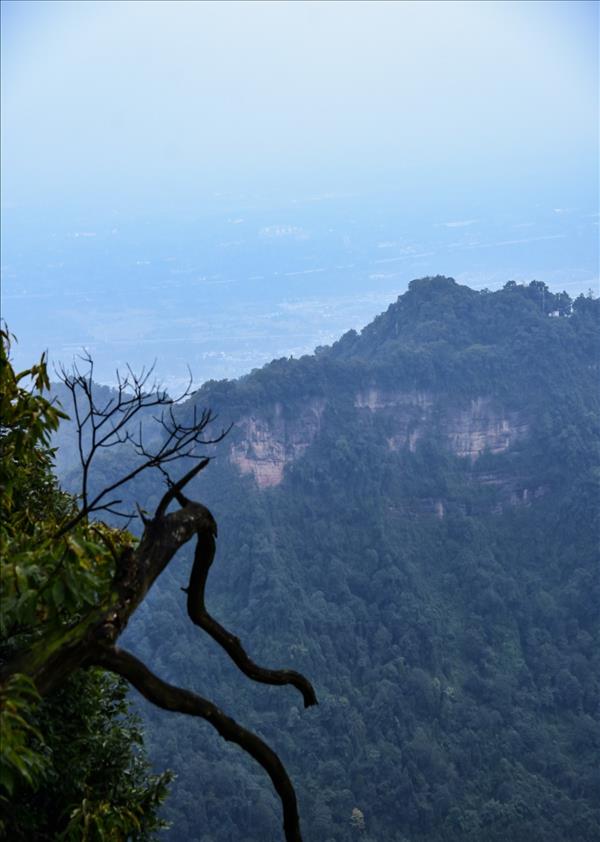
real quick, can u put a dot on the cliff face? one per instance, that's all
(481, 424)
(274, 437)
(268, 441)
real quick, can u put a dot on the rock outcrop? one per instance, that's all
(268, 441)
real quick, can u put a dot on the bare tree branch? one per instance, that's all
(169, 697)
(175, 489)
(101, 426)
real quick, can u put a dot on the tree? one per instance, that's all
(96, 783)
(71, 764)
(71, 583)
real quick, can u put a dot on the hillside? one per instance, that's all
(408, 517)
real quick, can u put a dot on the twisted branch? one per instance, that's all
(203, 559)
(169, 697)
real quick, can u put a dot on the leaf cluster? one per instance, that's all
(69, 768)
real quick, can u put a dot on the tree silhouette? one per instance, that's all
(90, 637)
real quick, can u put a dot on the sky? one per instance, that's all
(140, 98)
(143, 115)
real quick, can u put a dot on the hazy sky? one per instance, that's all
(223, 183)
(130, 101)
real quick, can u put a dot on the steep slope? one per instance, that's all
(409, 517)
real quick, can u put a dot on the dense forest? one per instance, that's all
(409, 518)
(446, 606)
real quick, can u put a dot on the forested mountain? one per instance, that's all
(408, 517)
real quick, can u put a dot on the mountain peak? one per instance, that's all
(436, 310)
(427, 300)
(431, 285)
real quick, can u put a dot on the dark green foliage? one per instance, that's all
(96, 783)
(447, 607)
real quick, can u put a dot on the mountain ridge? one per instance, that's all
(423, 547)
(386, 352)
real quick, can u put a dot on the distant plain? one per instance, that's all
(237, 280)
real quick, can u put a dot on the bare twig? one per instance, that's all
(108, 424)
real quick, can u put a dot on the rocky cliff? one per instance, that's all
(268, 441)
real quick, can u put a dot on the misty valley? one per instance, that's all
(299, 421)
